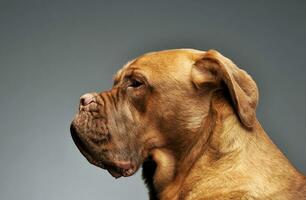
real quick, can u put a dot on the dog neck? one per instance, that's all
(222, 138)
(158, 171)
(162, 169)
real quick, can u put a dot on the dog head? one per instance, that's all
(158, 100)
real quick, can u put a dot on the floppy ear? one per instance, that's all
(213, 67)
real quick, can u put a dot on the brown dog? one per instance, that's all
(188, 117)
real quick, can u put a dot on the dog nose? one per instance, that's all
(86, 99)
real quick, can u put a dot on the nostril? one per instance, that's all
(87, 99)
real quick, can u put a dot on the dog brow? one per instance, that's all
(119, 75)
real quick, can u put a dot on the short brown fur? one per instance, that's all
(192, 124)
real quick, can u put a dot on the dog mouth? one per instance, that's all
(117, 168)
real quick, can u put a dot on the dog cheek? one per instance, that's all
(139, 102)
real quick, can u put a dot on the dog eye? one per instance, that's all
(135, 83)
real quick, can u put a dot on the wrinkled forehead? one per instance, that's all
(175, 63)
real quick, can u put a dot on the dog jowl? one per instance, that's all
(106, 131)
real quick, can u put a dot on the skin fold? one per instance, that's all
(188, 117)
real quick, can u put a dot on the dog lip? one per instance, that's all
(129, 172)
(120, 168)
(77, 140)
(114, 173)
(116, 168)
(83, 149)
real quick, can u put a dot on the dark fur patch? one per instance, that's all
(148, 171)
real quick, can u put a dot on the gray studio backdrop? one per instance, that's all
(51, 52)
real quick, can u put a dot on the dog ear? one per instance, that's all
(214, 68)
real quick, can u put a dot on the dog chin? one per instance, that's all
(119, 172)
(120, 168)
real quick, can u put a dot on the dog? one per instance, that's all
(188, 117)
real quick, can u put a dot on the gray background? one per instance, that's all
(51, 52)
